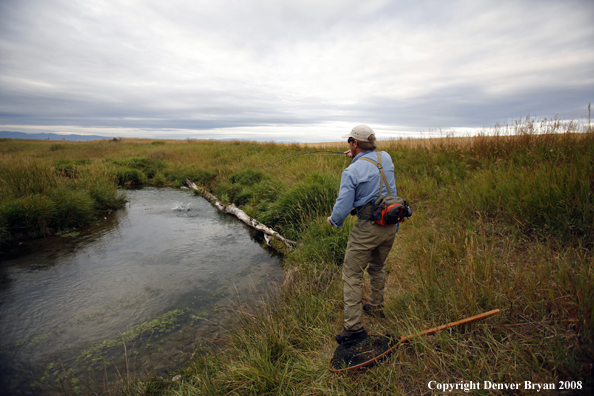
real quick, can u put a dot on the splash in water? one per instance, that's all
(182, 207)
(185, 208)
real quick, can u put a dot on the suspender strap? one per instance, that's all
(383, 175)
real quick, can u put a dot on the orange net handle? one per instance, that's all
(408, 337)
(445, 326)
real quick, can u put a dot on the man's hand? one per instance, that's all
(329, 222)
(348, 154)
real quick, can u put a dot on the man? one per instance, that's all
(369, 243)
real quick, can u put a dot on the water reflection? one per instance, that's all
(152, 273)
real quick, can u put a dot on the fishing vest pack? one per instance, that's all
(386, 209)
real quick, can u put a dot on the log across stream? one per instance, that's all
(241, 215)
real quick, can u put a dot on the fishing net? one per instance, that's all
(366, 352)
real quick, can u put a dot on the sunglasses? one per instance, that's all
(350, 140)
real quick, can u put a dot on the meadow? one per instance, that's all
(503, 220)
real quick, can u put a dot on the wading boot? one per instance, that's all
(346, 335)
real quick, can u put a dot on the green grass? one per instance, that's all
(42, 196)
(502, 220)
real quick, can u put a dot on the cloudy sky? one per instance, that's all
(288, 70)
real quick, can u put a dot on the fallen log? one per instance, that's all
(241, 215)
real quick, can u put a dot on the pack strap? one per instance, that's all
(383, 175)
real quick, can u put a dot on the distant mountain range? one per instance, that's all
(55, 136)
(49, 136)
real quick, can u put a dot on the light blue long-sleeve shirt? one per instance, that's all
(360, 182)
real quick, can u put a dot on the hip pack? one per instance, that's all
(386, 209)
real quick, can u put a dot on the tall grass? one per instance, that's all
(42, 197)
(502, 220)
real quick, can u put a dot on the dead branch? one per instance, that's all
(241, 215)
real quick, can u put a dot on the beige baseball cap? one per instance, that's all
(360, 133)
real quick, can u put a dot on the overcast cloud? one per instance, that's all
(290, 70)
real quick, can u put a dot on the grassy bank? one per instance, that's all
(503, 220)
(49, 189)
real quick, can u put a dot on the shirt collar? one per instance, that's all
(361, 154)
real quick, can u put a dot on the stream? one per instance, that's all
(133, 295)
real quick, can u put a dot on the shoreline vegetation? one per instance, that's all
(503, 220)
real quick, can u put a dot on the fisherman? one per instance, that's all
(369, 243)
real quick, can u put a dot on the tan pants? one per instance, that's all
(368, 247)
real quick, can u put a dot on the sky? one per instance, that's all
(287, 70)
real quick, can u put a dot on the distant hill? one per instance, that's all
(48, 136)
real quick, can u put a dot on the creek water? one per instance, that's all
(136, 293)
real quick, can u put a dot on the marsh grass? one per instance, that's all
(501, 220)
(40, 197)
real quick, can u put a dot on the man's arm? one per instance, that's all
(344, 202)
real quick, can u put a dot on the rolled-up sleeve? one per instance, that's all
(346, 198)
